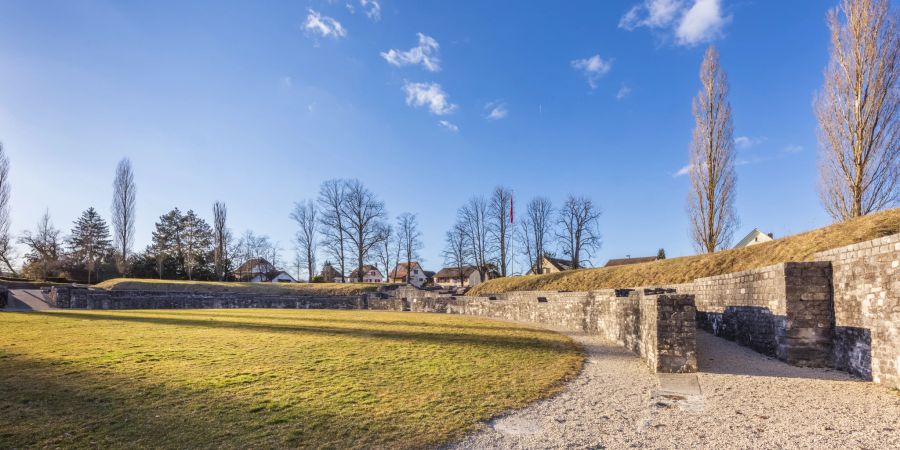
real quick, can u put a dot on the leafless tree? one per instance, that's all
(123, 214)
(220, 240)
(363, 217)
(712, 195)
(473, 218)
(410, 239)
(384, 249)
(457, 250)
(44, 246)
(578, 231)
(7, 248)
(523, 236)
(537, 225)
(500, 210)
(859, 135)
(332, 200)
(305, 214)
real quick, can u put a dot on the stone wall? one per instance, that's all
(4, 297)
(784, 310)
(867, 308)
(668, 332)
(82, 298)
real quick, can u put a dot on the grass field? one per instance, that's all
(133, 284)
(265, 378)
(800, 247)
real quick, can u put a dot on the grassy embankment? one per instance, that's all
(799, 247)
(133, 284)
(265, 378)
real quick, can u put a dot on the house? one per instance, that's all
(329, 274)
(549, 264)
(258, 270)
(755, 237)
(417, 276)
(450, 277)
(629, 260)
(371, 274)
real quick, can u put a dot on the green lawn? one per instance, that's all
(265, 378)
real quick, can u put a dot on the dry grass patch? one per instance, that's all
(265, 378)
(800, 247)
(133, 284)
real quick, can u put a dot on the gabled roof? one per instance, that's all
(754, 237)
(401, 269)
(366, 269)
(627, 261)
(453, 272)
(559, 263)
(252, 263)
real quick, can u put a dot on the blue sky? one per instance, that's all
(257, 103)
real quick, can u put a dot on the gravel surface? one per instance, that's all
(748, 401)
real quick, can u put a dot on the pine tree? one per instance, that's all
(90, 240)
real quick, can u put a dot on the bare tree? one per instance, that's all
(473, 218)
(578, 231)
(123, 214)
(538, 224)
(7, 248)
(363, 217)
(456, 250)
(332, 199)
(859, 135)
(384, 249)
(711, 199)
(410, 239)
(44, 246)
(220, 240)
(305, 214)
(500, 211)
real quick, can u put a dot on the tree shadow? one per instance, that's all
(477, 339)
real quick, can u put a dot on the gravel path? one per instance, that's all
(748, 401)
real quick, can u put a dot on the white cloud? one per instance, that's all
(793, 148)
(430, 95)
(651, 14)
(690, 22)
(593, 68)
(748, 141)
(701, 23)
(623, 92)
(496, 110)
(683, 171)
(323, 26)
(425, 54)
(372, 9)
(287, 82)
(448, 125)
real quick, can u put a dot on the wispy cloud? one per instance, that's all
(430, 95)
(425, 54)
(745, 142)
(287, 82)
(323, 26)
(593, 68)
(688, 22)
(372, 9)
(793, 148)
(496, 110)
(448, 125)
(623, 92)
(683, 171)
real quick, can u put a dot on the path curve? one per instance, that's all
(748, 400)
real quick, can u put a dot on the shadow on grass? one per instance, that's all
(51, 403)
(406, 320)
(487, 340)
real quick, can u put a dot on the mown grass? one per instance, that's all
(800, 247)
(265, 378)
(134, 284)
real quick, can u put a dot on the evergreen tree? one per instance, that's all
(661, 254)
(182, 246)
(90, 241)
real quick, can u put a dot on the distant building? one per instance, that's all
(417, 276)
(371, 274)
(629, 260)
(755, 237)
(549, 264)
(450, 277)
(329, 274)
(258, 270)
